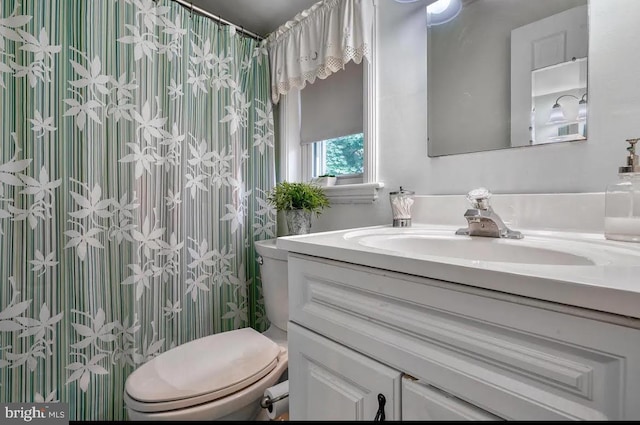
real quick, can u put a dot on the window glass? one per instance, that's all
(339, 156)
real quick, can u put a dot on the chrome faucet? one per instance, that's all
(483, 221)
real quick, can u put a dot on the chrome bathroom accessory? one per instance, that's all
(267, 402)
(483, 221)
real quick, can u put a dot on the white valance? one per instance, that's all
(318, 42)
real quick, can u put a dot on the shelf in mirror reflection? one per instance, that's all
(566, 138)
(563, 132)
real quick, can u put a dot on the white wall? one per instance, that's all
(614, 115)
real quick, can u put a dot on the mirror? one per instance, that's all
(505, 73)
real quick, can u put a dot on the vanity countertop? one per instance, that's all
(610, 284)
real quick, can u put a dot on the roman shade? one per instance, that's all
(332, 107)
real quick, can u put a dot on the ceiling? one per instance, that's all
(258, 16)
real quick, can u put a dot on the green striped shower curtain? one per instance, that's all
(136, 154)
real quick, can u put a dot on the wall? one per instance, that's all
(614, 115)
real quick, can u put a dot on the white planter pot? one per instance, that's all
(325, 181)
(298, 221)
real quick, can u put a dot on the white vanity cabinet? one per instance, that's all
(441, 350)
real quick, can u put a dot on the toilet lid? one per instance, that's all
(213, 367)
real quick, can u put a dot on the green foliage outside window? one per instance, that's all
(344, 155)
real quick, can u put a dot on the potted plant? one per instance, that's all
(298, 201)
(326, 180)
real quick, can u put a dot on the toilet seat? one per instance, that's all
(201, 371)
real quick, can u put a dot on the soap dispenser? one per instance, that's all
(622, 201)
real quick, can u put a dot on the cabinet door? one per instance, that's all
(426, 403)
(328, 381)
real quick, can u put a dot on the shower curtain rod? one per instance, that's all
(192, 8)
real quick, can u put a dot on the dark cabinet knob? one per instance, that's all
(381, 403)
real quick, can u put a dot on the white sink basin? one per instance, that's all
(501, 250)
(530, 250)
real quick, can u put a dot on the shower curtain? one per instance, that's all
(136, 156)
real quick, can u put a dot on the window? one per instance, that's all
(314, 139)
(331, 125)
(341, 156)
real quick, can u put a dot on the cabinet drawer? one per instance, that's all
(513, 360)
(422, 402)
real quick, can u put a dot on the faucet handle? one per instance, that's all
(479, 198)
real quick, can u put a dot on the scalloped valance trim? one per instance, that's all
(318, 42)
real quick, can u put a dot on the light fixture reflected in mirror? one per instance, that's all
(443, 11)
(557, 115)
(582, 108)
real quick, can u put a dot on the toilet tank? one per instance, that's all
(273, 272)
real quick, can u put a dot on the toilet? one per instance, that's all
(221, 376)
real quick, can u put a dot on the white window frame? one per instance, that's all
(296, 161)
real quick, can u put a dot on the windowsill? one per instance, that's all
(359, 193)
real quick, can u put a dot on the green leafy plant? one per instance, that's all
(293, 196)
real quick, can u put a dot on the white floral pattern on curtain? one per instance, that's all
(136, 155)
